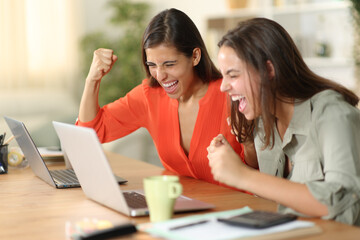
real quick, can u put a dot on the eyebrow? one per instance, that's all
(166, 62)
(231, 70)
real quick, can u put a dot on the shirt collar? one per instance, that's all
(300, 121)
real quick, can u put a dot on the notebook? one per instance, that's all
(88, 159)
(62, 178)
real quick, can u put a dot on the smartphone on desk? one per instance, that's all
(259, 219)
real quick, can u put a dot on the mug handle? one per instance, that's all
(175, 190)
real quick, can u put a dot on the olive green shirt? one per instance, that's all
(322, 143)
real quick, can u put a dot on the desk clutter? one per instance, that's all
(207, 226)
(13, 157)
(96, 229)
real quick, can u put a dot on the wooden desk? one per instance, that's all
(32, 209)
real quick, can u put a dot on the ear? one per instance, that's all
(196, 56)
(270, 69)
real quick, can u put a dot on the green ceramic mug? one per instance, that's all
(161, 193)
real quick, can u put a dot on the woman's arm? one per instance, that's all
(227, 168)
(102, 63)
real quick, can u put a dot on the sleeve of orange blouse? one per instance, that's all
(121, 117)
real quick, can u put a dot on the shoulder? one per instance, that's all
(330, 102)
(330, 108)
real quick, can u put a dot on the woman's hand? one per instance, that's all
(226, 166)
(103, 60)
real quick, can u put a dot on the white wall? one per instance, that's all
(197, 10)
(96, 13)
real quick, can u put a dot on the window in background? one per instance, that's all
(39, 64)
(38, 43)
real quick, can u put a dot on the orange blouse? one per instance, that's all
(151, 108)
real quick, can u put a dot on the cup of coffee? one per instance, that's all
(161, 193)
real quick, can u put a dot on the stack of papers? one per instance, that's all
(206, 226)
(51, 153)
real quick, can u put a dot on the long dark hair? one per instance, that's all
(175, 28)
(257, 41)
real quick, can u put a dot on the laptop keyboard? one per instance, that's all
(65, 176)
(135, 200)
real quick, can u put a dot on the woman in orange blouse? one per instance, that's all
(179, 103)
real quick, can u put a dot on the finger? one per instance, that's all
(215, 142)
(210, 149)
(211, 161)
(224, 141)
(106, 52)
(219, 139)
(105, 55)
(107, 61)
(102, 52)
(103, 68)
(113, 60)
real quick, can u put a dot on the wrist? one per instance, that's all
(90, 80)
(246, 177)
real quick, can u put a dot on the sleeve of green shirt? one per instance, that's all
(337, 127)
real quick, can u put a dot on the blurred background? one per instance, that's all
(46, 48)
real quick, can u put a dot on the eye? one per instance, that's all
(151, 66)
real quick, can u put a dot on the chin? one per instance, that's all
(249, 116)
(173, 95)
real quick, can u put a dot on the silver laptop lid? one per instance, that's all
(29, 149)
(91, 166)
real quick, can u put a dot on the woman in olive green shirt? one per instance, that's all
(303, 129)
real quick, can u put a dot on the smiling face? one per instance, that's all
(240, 81)
(172, 69)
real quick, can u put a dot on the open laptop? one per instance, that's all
(89, 161)
(61, 178)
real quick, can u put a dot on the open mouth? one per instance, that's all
(170, 87)
(242, 101)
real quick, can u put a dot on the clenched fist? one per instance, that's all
(103, 60)
(226, 166)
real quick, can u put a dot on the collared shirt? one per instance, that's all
(322, 143)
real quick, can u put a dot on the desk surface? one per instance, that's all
(32, 209)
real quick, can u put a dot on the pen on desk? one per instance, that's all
(9, 140)
(188, 225)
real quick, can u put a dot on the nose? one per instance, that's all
(160, 74)
(225, 86)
